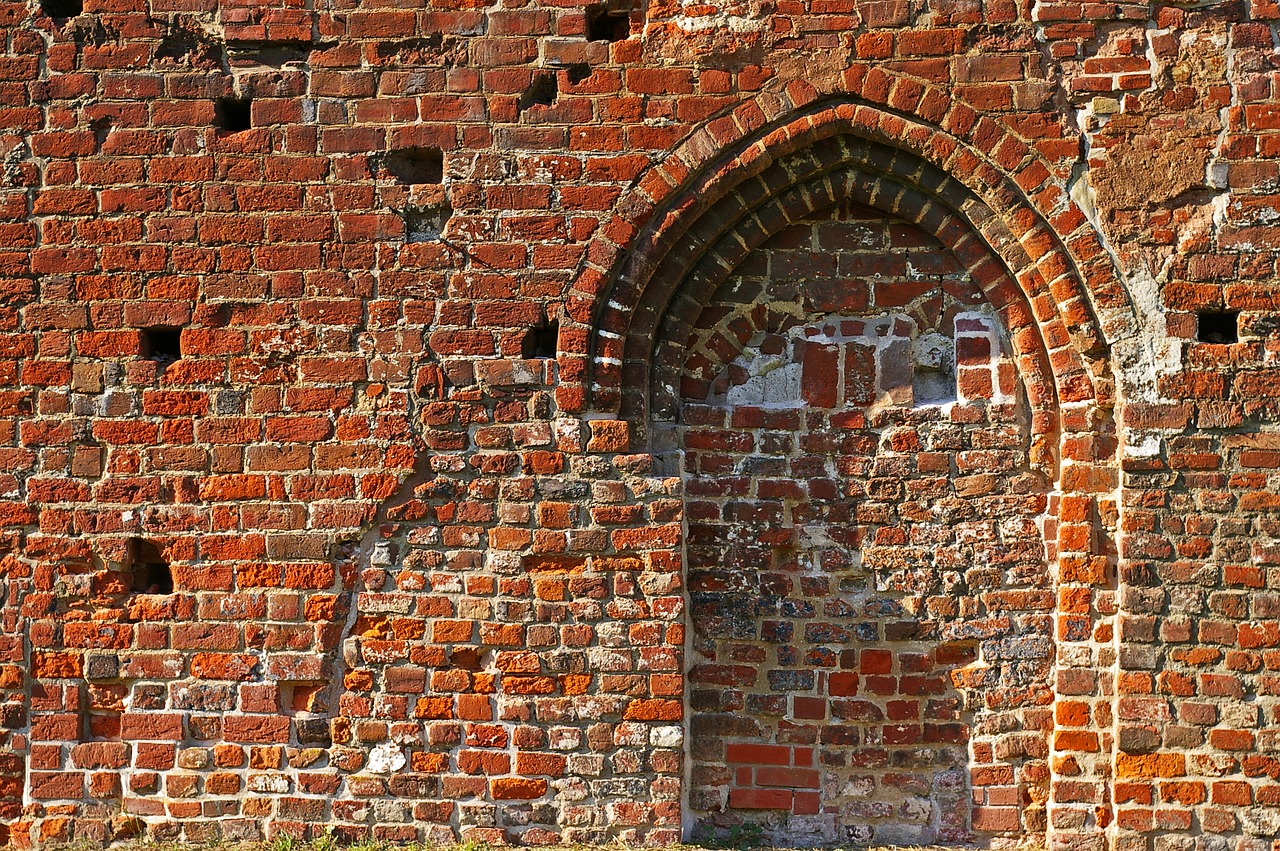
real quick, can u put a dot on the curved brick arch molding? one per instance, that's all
(1063, 276)
(1075, 271)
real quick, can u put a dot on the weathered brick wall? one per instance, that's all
(553, 422)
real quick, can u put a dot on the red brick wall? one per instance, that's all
(457, 300)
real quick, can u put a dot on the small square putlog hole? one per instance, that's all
(1218, 326)
(540, 342)
(933, 385)
(542, 91)
(61, 8)
(303, 697)
(151, 573)
(162, 344)
(233, 115)
(413, 166)
(425, 224)
(606, 24)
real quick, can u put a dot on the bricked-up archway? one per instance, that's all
(726, 206)
(861, 521)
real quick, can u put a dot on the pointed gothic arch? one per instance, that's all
(898, 146)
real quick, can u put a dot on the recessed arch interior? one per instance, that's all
(646, 354)
(632, 284)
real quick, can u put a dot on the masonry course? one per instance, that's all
(838, 422)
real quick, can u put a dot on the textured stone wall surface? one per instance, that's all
(811, 421)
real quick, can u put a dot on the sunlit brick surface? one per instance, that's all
(844, 420)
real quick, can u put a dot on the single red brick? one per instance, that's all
(67, 785)
(760, 799)
(517, 788)
(135, 726)
(255, 728)
(758, 754)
